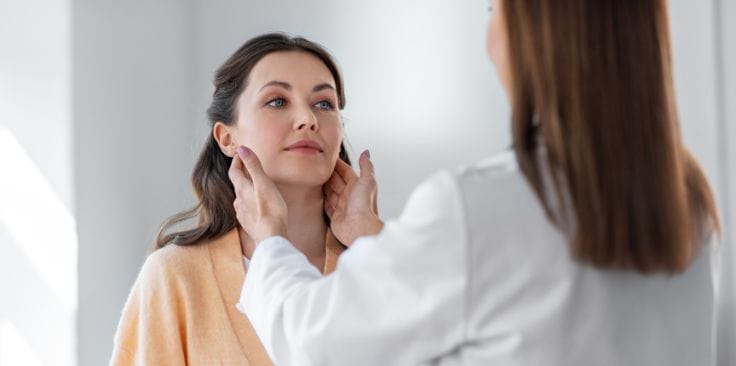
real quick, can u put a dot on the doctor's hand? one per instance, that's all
(351, 201)
(259, 206)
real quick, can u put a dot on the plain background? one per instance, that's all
(102, 113)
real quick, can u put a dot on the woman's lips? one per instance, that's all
(305, 146)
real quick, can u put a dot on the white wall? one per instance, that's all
(703, 53)
(726, 27)
(694, 52)
(38, 248)
(133, 147)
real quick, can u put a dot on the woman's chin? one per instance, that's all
(304, 179)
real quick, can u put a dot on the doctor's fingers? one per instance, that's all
(331, 204)
(367, 180)
(329, 210)
(238, 174)
(242, 186)
(366, 166)
(331, 197)
(252, 166)
(336, 183)
(345, 171)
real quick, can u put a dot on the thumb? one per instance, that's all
(366, 165)
(252, 165)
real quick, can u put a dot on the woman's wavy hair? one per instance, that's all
(214, 212)
(591, 85)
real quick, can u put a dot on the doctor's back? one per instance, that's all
(531, 302)
(592, 243)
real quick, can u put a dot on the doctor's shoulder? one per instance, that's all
(495, 183)
(492, 176)
(497, 166)
(496, 180)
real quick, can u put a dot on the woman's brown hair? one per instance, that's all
(214, 212)
(594, 113)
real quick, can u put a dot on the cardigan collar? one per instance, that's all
(227, 261)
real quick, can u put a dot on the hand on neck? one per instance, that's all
(305, 224)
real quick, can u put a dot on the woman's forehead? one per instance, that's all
(296, 68)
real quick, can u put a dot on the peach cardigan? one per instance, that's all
(181, 310)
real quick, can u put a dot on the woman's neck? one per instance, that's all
(305, 224)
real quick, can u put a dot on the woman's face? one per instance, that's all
(288, 115)
(497, 44)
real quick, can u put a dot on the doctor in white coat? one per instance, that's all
(590, 243)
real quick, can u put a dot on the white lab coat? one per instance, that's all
(473, 273)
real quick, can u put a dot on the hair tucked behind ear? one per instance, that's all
(214, 214)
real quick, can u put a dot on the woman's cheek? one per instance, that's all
(335, 138)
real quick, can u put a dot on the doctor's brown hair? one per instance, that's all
(591, 84)
(214, 212)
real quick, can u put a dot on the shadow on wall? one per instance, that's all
(38, 267)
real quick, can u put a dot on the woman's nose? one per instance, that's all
(307, 120)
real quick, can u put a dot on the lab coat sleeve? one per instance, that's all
(398, 298)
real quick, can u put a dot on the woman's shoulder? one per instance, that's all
(190, 261)
(171, 284)
(173, 263)
(177, 257)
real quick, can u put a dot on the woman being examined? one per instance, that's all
(590, 243)
(282, 97)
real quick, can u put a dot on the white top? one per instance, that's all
(473, 273)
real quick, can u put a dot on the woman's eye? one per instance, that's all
(277, 103)
(324, 105)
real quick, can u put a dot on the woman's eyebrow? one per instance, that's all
(322, 86)
(278, 83)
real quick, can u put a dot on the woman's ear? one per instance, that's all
(226, 137)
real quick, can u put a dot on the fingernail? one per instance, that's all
(243, 151)
(368, 154)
